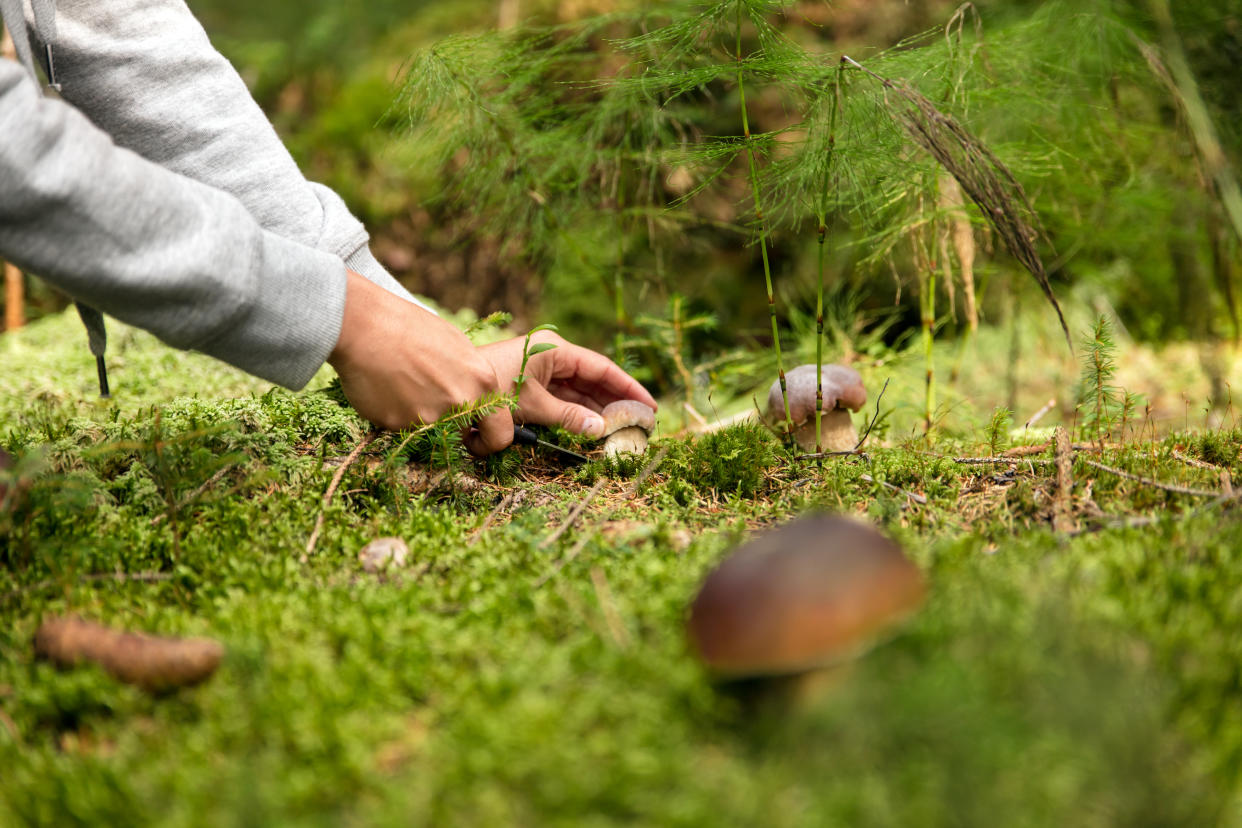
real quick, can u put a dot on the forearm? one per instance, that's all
(145, 72)
(156, 249)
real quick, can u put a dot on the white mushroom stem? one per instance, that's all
(837, 432)
(631, 440)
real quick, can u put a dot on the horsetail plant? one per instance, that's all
(762, 222)
(834, 107)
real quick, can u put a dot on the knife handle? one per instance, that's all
(523, 436)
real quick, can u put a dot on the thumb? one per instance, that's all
(540, 407)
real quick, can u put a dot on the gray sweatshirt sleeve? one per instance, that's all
(145, 72)
(157, 249)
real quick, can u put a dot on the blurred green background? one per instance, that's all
(1140, 232)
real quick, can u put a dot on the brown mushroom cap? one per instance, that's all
(812, 593)
(627, 414)
(843, 388)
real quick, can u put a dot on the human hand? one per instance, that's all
(401, 365)
(567, 386)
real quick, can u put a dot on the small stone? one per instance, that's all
(383, 553)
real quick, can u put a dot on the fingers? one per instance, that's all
(491, 434)
(542, 408)
(596, 376)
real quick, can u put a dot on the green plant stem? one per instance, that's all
(618, 281)
(929, 321)
(687, 380)
(763, 234)
(927, 303)
(823, 237)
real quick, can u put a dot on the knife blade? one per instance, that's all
(523, 436)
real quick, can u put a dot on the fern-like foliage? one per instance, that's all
(612, 152)
(1099, 400)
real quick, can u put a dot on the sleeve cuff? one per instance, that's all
(294, 320)
(363, 262)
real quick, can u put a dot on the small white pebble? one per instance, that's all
(383, 553)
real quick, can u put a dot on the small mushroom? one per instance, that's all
(843, 393)
(383, 553)
(812, 594)
(627, 424)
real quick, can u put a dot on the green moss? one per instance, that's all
(1090, 680)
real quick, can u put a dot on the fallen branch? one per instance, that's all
(1141, 521)
(1147, 481)
(1195, 462)
(997, 461)
(332, 487)
(1062, 507)
(1038, 415)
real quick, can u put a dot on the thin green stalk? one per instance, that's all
(929, 321)
(618, 286)
(823, 235)
(763, 234)
(927, 305)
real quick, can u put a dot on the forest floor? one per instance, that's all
(1078, 659)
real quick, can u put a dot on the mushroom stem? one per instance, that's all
(631, 440)
(837, 432)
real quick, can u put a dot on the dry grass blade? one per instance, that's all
(332, 487)
(981, 175)
(582, 542)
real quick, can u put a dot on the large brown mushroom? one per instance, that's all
(627, 424)
(816, 592)
(843, 393)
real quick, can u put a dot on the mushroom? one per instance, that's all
(627, 424)
(843, 393)
(816, 592)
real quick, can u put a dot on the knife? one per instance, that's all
(523, 436)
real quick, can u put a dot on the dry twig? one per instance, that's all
(1147, 481)
(574, 514)
(1039, 415)
(332, 487)
(917, 498)
(1193, 461)
(582, 542)
(505, 503)
(603, 594)
(1062, 508)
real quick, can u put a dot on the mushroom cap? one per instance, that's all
(628, 414)
(814, 592)
(843, 388)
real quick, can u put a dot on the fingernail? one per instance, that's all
(593, 425)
